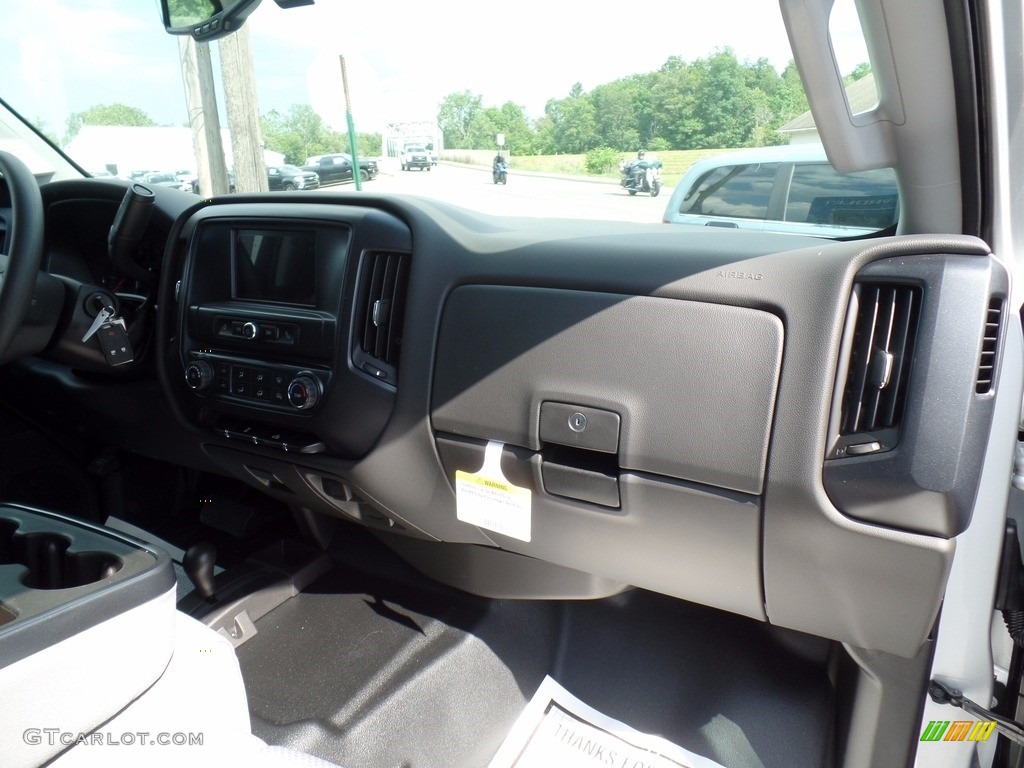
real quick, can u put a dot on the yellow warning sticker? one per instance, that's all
(487, 500)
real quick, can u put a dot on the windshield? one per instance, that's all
(104, 82)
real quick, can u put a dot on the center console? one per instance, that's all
(86, 619)
(273, 309)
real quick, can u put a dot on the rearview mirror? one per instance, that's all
(205, 19)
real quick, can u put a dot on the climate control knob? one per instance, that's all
(250, 331)
(199, 375)
(304, 392)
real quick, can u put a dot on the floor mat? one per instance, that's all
(375, 666)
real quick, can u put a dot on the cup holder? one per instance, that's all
(50, 565)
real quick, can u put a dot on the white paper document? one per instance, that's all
(487, 500)
(557, 729)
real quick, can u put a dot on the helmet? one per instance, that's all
(640, 153)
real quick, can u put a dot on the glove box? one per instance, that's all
(643, 463)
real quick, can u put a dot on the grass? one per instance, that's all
(674, 163)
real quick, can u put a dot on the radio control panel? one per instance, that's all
(255, 383)
(282, 334)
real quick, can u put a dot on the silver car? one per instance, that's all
(790, 189)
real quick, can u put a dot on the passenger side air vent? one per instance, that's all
(883, 320)
(989, 345)
(380, 312)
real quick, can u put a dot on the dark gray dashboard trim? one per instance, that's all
(823, 572)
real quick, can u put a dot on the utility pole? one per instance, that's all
(356, 173)
(197, 74)
(239, 80)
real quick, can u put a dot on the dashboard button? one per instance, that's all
(279, 378)
(241, 388)
(199, 375)
(304, 392)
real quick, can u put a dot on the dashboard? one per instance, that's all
(744, 420)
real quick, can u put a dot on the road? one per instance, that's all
(524, 195)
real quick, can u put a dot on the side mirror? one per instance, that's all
(205, 19)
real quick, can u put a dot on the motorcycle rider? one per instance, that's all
(498, 166)
(641, 174)
(637, 167)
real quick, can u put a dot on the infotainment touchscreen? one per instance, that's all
(274, 265)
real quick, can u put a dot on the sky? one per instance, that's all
(402, 58)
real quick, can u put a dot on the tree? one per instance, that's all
(673, 97)
(299, 134)
(186, 13)
(791, 96)
(573, 127)
(106, 114)
(861, 70)
(367, 144)
(510, 120)
(455, 116)
(617, 114)
(544, 136)
(722, 104)
(485, 126)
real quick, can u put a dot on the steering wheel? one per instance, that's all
(24, 247)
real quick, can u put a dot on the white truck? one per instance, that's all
(415, 156)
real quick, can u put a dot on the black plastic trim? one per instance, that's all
(929, 484)
(82, 608)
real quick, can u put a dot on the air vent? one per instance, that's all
(885, 325)
(989, 345)
(380, 311)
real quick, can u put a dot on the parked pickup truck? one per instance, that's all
(333, 169)
(288, 178)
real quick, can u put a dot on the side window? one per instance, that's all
(739, 191)
(818, 194)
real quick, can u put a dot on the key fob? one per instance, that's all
(117, 349)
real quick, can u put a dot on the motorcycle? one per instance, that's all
(641, 176)
(499, 172)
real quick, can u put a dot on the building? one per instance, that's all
(123, 149)
(862, 96)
